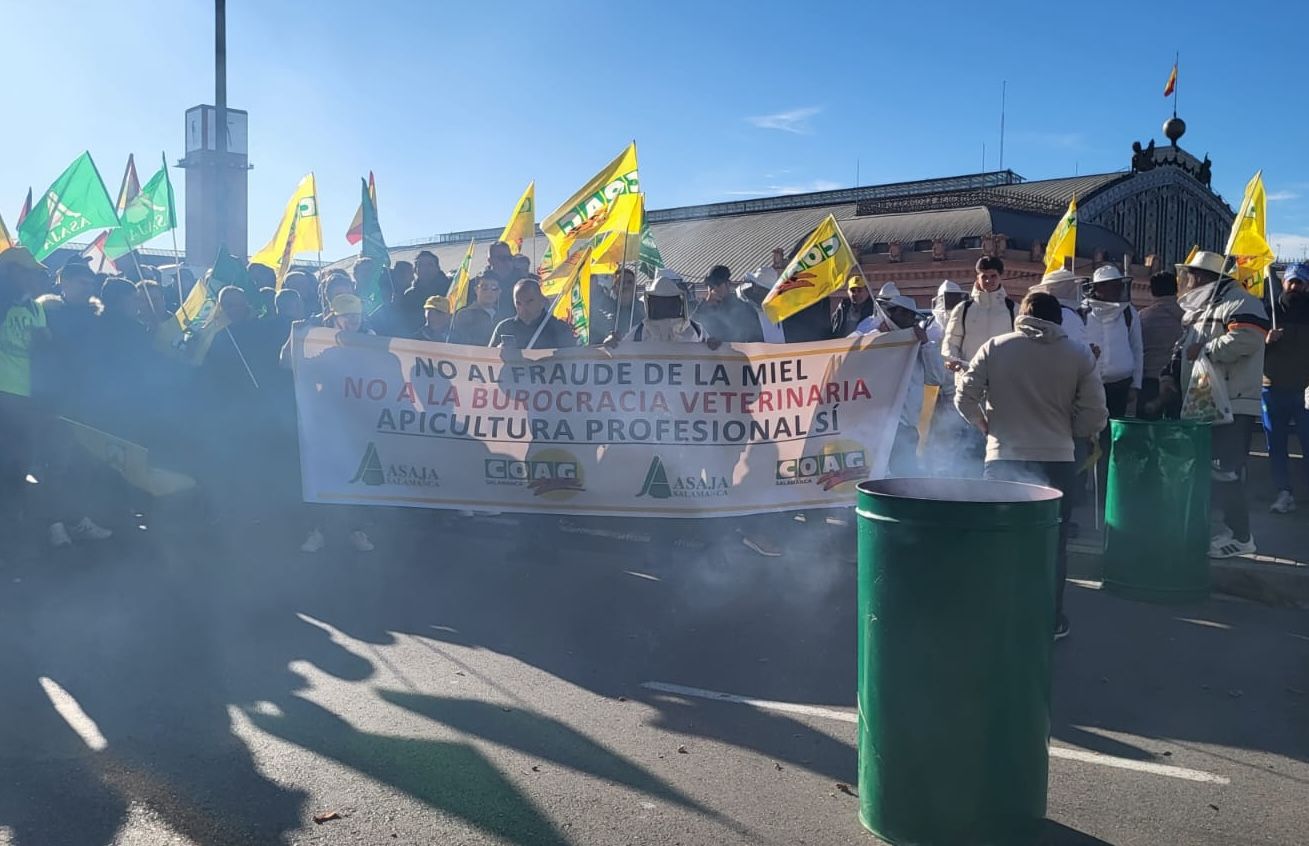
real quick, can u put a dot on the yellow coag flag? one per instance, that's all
(820, 268)
(618, 239)
(569, 288)
(458, 292)
(307, 236)
(1063, 241)
(522, 223)
(1248, 244)
(583, 213)
(188, 336)
(6, 240)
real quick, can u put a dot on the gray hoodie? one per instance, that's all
(1034, 391)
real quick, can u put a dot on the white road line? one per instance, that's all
(850, 717)
(73, 714)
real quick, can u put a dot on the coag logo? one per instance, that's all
(550, 473)
(659, 485)
(588, 213)
(373, 472)
(307, 207)
(837, 466)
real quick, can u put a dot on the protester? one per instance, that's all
(335, 284)
(532, 326)
(1286, 383)
(1033, 393)
(1114, 328)
(288, 305)
(1066, 287)
(346, 315)
(752, 292)
(473, 324)
(1161, 326)
(890, 314)
(436, 320)
(665, 314)
(402, 276)
(722, 314)
(500, 266)
(948, 295)
(429, 281)
(1228, 326)
(303, 284)
(619, 312)
(855, 310)
(522, 266)
(986, 314)
(61, 367)
(260, 276)
(22, 280)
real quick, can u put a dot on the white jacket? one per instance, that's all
(987, 317)
(1121, 353)
(928, 369)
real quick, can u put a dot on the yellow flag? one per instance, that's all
(618, 239)
(305, 237)
(193, 328)
(1248, 244)
(5, 240)
(820, 268)
(583, 213)
(522, 223)
(569, 288)
(458, 292)
(1063, 241)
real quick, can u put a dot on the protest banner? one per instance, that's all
(645, 430)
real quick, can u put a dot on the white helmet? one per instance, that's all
(889, 290)
(667, 283)
(948, 287)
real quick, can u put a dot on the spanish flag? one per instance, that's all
(522, 223)
(302, 208)
(820, 267)
(355, 233)
(1172, 82)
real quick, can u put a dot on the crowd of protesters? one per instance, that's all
(1023, 389)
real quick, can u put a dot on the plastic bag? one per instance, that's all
(1206, 398)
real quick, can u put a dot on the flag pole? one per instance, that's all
(241, 355)
(1178, 68)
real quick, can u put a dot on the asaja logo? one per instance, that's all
(658, 484)
(370, 468)
(837, 466)
(64, 222)
(550, 473)
(373, 472)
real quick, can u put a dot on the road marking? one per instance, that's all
(73, 714)
(850, 717)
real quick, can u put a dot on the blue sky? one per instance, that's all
(457, 106)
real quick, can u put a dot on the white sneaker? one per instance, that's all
(1231, 547)
(59, 535)
(360, 541)
(1219, 534)
(90, 531)
(314, 542)
(1284, 504)
(760, 546)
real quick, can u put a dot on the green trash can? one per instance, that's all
(956, 615)
(1156, 536)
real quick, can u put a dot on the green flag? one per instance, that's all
(149, 214)
(76, 203)
(374, 247)
(650, 258)
(230, 270)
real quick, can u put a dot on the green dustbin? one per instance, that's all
(1157, 511)
(956, 612)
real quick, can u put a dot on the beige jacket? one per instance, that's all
(1034, 391)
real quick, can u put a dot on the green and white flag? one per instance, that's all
(149, 214)
(76, 203)
(650, 258)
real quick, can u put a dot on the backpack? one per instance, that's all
(1008, 303)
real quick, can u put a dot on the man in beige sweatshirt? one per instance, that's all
(1033, 392)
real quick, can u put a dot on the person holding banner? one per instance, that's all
(473, 324)
(665, 310)
(723, 315)
(532, 327)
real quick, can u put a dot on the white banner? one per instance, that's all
(648, 430)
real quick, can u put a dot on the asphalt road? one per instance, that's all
(487, 683)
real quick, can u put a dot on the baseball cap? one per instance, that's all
(441, 304)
